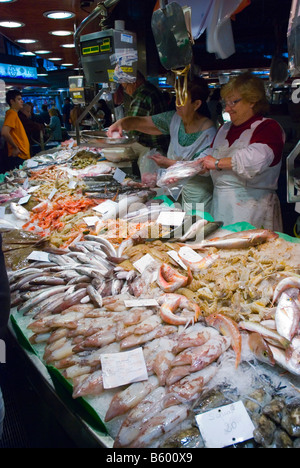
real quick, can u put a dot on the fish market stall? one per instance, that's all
(146, 322)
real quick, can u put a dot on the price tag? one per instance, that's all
(173, 254)
(72, 184)
(226, 425)
(141, 303)
(189, 254)
(24, 200)
(91, 220)
(26, 184)
(52, 193)
(171, 218)
(40, 256)
(105, 206)
(119, 175)
(33, 189)
(143, 263)
(123, 368)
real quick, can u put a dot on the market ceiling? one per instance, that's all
(259, 30)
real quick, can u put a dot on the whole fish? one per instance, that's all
(269, 335)
(260, 348)
(192, 231)
(130, 397)
(159, 425)
(227, 327)
(280, 358)
(132, 425)
(19, 211)
(284, 284)
(45, 294)
(237, 240)
(287, 315)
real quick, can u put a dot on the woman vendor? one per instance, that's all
(191, 131)
(245, 159)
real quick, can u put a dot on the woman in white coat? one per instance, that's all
(191, 132)
(245, 159)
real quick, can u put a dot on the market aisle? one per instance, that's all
(28, 422)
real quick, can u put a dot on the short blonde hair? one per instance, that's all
(251, 88)
(53, 111)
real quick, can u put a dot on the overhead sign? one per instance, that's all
(18, 72)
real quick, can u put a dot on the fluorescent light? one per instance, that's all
(54, 59)
(61, 33)
(26, 41)
(67, 64)
(30, 54)
(68, 46)
(11, 24)
(7, 1)
(43, 52)
(59, 14)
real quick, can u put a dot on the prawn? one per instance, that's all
(169, 280)
(170, 302)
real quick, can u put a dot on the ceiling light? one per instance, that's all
(54, 59)
(61, 33)
(59, 14)
(11, 24)
(26, 41)
(30, 54)
(68, 46)
(67, 64)
(7, 1)
(43, 52)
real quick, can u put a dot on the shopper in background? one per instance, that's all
(32, 128)
(44, 116)
(4, 316)
(245, 159)
(66, 113)
(55, 125)
(13, 131)
(147, 100)
(191, 131)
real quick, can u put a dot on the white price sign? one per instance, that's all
(123, 368)
(226, 425)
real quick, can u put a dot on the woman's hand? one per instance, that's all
(208, 162)
(115, 130)
(161, 161)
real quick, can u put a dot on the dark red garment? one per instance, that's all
(268, 133)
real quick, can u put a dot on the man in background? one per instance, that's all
(13, 131)
(147, 99)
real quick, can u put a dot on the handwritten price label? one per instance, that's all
(226, 425)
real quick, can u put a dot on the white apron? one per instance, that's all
(237, 198)
(197, 190)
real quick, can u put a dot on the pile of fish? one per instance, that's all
(75, 305)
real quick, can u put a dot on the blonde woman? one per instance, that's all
(245, 158)
(55, 125)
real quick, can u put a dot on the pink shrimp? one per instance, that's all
(169, 280)
(170, 302)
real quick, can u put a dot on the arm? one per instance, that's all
(5, 132)
(140, 124)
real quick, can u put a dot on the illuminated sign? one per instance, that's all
(17, 72)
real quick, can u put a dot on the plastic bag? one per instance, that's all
(148, 168)
(293, 38)
(180, 171)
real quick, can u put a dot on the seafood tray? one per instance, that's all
(270, 396)
(100, 139)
